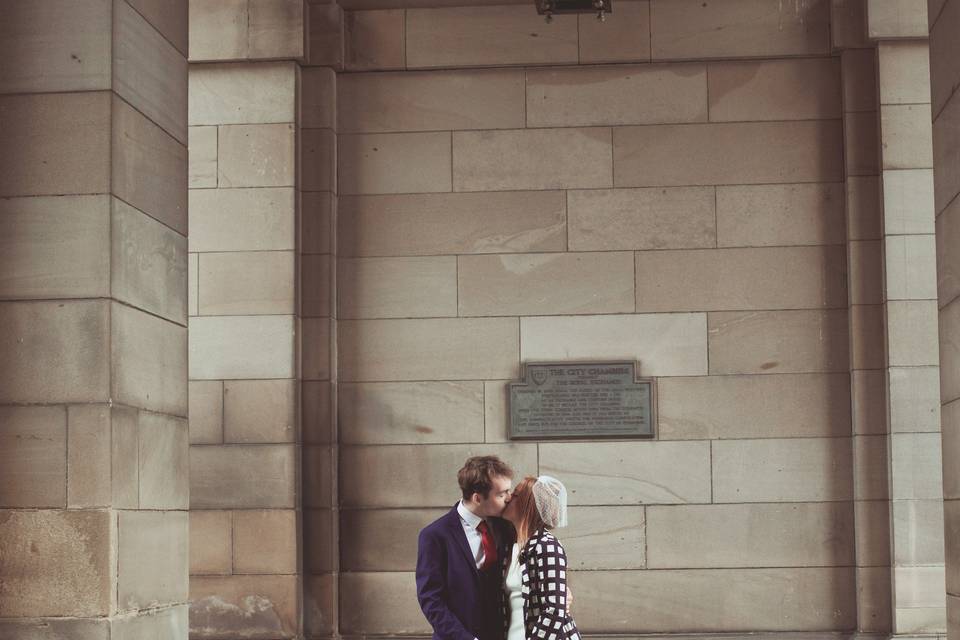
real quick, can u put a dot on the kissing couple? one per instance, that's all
(490, 569)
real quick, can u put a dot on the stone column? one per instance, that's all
(868, 393)
(318, 266)
(261, 203)
(93, 346)
(910, 313)
(944, 19)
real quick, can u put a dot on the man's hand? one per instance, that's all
(569, 602)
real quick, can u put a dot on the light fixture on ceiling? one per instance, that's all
(549, 8)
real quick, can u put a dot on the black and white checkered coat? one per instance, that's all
(543, 570)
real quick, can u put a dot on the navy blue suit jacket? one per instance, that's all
(459, 602)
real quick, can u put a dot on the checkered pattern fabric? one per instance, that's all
(543, 569)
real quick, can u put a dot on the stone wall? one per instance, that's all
(944, 20)
(688, 214)
(93, 346)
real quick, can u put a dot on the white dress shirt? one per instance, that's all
(470, 520)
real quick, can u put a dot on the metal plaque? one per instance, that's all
(581, 400)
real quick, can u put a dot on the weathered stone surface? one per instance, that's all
(906, 136)
(600, 473)
(55, 351)
(381, 163)
(257, 93)
(561, 158)
(319, 88)
(750, 535)
(382, 539)
(727, 153)
(318, 160)
(626, 39)
(149, 167)
(429, 101)
(666, 344)
(778, 341)
(211, 542)
(256, 155)
(374, 40)
(55, 628)
(276, 28)
(171, 622)
(861, 141)
(149, 361)
(148, 263)
(431, 349)
(316, 419)
(153, 561)
(753, 406)
(259, 410)
(254, 606)
(487, 36)
(169, 18)
(218, 29)
(432, 224)
(55, 247)
(410, 412)
(406, 287)
(148, 71)
(780, 215)
(265, 542)
(206, 411)
(319, 550)
(89, 446)
(242, 476)
(789, 470)
(63, 142)
(672, 218)
(376, 603)
(125, 451)
(247, 283)
(775, 90)
(617, 95)
(234, 347)
(742, 28)
(904, 72)
(33, 457)
(918, 532)
(511, 284)
(164, 462)
(320, 602)
(56, 563)
(202, 157)
(710, 600)
(741, 279)
(55, 46)
(242, 219)
(606, 538)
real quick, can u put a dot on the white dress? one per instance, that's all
(512, 586)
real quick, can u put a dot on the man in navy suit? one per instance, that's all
(461, 554)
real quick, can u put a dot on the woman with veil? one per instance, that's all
(536, 576)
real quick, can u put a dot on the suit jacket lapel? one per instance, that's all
(456, 530)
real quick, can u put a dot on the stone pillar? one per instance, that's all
(93, 346)
(871, 495)
(261, 202)
(910, 312)
(944, 19)
(317, 242)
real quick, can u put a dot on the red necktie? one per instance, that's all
(489, 549)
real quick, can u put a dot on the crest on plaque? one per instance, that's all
(582, 400)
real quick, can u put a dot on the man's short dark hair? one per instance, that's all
(478, 473)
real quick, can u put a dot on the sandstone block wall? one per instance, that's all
(689, 214)
(93, 224)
